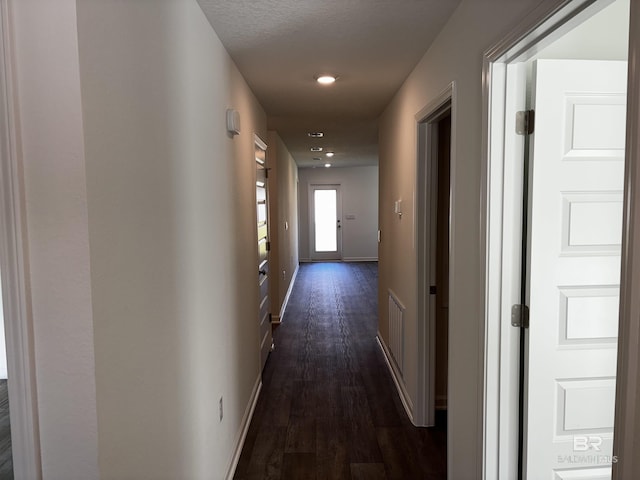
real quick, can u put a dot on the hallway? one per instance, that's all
(328, 407)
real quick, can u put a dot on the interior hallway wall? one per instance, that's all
(455, 56)
(171, 209)
(359, 190)
(50, 150)
(283, 216)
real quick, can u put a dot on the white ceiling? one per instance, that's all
(372, 45)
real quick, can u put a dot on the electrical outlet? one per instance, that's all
(221, 412)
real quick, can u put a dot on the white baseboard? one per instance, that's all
(397, 379)
(286, 297)
(244, 428)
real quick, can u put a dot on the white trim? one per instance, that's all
(244, 428)
(626, 430)
(259, 142)
(548, 21)
(397, 378)
(425, 234)
(501, 376)
(286, 297)
(25, 436)
(360, 259)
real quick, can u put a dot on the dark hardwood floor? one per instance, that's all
(6, 462)
(328, 407)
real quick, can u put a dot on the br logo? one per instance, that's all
(583, 443)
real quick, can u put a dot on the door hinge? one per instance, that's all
(268, 246)
(266, 172)
(520, 316)
(525, 122)
(433, 290)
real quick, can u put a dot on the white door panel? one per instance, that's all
(262, 217)
(576, 228)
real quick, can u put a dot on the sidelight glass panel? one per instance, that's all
(326, 219)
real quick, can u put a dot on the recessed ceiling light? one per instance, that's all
(316, 134)
(326, 79)
(316, 149)
(327, 165)
(329, 154)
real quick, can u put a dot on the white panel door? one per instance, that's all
(262, 216)
(576, 230)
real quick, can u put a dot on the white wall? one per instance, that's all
(141, 236)
(173, 237)
(283, 217)
(598, 38)
(45, 40)
(455, 56)
(359, 190)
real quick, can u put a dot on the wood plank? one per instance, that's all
(301, 435)
(299, 466)
(360, 429)
(6, 458)
(368, 471)
(304, 399)
(277, 407)
(328, 400)
(332, 449)
(267, 455)
(328, 407)
(400, 456)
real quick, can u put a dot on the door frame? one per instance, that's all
(25, 435)
(426, 244)
(549, 20)
(324, 256)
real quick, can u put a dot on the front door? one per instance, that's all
(264, 316)
(326, 222)
(577, 171)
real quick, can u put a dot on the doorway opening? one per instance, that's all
(325, 206)
(556, 103)
(432, 244)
